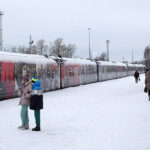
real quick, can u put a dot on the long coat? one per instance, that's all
(26, 94)
(147, 80)
(36, 102)
(136, 74)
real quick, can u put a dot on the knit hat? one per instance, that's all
(26, 78)
(34, 79)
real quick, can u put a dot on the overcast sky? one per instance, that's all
(126, 23)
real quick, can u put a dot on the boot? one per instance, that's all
(37, 128)
(26, 127)
(21, 127)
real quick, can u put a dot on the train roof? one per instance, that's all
(107, 63)
(79, 61)
(140, 65)
(135, 65)
(27, 58)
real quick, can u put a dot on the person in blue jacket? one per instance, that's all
(36, 102)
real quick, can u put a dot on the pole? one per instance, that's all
(89, 44)
(30, 44)
(107, 42)
(132, 54)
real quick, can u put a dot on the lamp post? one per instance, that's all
(89, 45)
(30, 43)
(132, 55)
(107, 42)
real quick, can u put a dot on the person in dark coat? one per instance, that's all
(136, 75)
(147, 83)
(36, 102)
(146, 70)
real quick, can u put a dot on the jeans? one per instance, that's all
(37, 117)
(24, 115)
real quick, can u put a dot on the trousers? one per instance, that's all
(37, 117)
(24, 115)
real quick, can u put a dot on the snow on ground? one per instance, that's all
(110, 115)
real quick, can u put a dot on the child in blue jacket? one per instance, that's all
(36, 102)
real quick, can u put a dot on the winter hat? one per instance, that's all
(34, 79)
(26, 78)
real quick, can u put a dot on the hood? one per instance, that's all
(148, 73)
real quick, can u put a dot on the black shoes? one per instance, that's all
(37, 128)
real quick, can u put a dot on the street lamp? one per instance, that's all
(107, 42)
(89, 44)
(30, 43)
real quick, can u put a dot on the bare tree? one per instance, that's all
(59, 48)
(102, 57)
(70, 49)
(13, 49)
(147, 53)
(56, 48)
(34, 49)
(21, 49)
(42, 48)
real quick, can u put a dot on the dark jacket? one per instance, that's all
(147, 80)
(136, 74)
(36, 102)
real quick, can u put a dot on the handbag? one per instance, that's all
(145, 89)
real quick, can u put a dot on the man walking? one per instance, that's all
(136, 75)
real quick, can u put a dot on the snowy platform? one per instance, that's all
(110, 115)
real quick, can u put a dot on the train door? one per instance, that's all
(2, 83)
(76, 75)
(7, 83)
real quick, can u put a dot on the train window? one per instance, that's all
(76, 71)
(48, 70)
(71, 73)
(52, 73)
(105, 69)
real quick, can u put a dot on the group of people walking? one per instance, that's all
(31, 96)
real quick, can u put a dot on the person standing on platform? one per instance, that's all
(36, 102)
(25, 102)
(136, 75)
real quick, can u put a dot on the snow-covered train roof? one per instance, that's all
(135, 65)
(107, 63)
(34, 58)
(79, 61)
(120, 64)
(131, 65)
(26, 58)
(139, 65)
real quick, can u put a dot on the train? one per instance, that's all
(55, 72)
